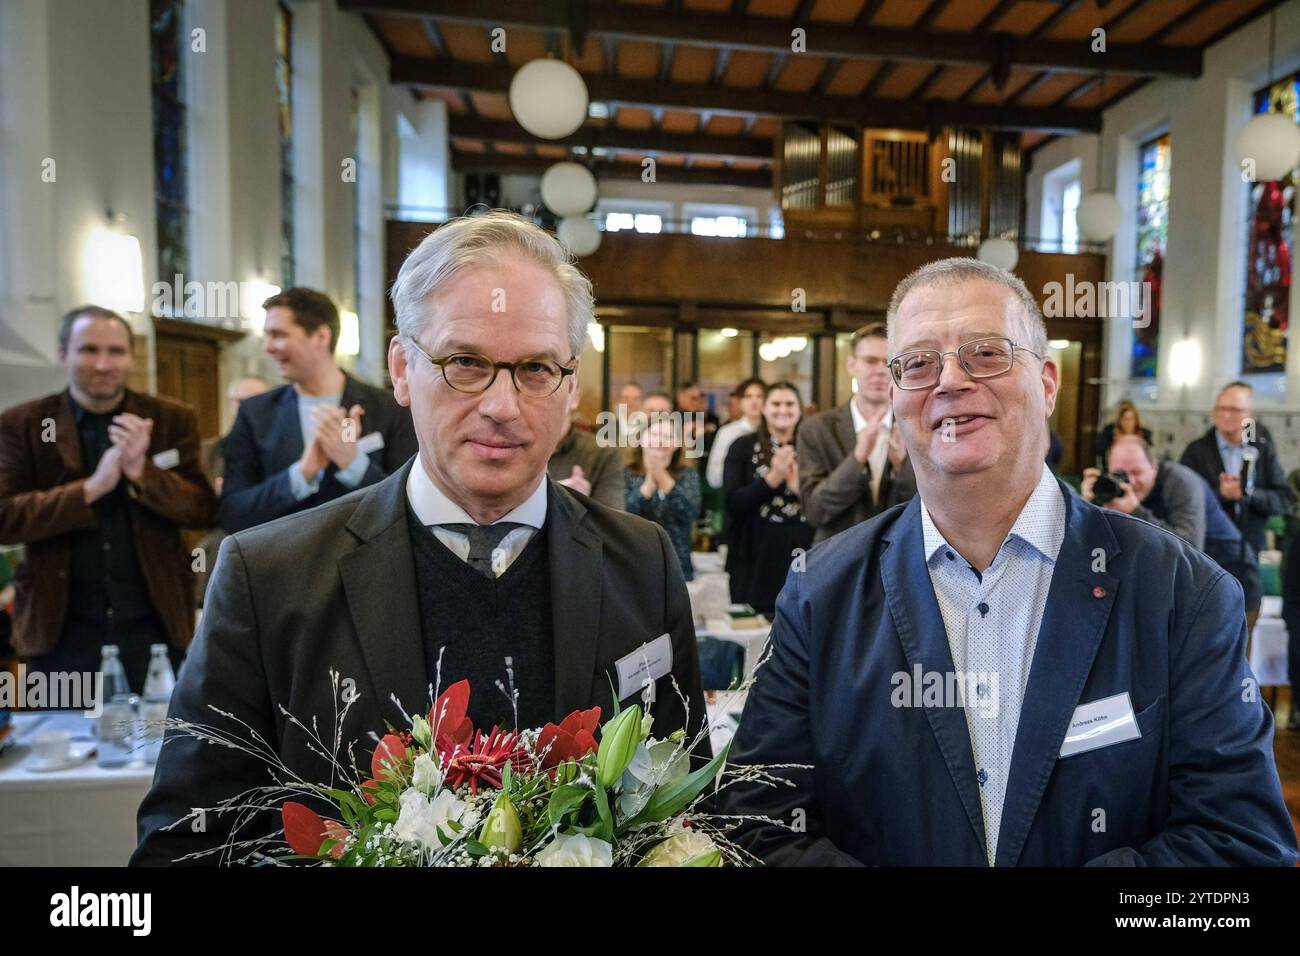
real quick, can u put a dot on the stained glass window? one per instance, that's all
(284, 96)
(1152, 242)
(1269, 244)
(171, 187)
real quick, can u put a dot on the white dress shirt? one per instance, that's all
(432, 507)
(723, 439)
(992, 622)
(879, 451)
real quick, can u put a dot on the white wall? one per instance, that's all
(1203, 272)
(75, 88)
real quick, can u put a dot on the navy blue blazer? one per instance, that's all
(267, 438)
(1131, 608)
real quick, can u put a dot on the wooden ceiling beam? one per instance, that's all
(612, 137)
(770, 35)
(535, 165)
(854, 110)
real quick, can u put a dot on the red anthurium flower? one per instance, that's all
(389, 753)
(447, 716)
(573, 739)
(305, 830)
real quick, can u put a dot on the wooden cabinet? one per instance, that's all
(188, 362)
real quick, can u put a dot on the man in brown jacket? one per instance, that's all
(852, 463)
(97, 482)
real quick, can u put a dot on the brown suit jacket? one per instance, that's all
(834, 489)
(42, 501)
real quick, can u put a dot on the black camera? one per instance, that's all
(1107, 487)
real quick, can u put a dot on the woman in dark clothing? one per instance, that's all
(663, 487)
(1127, 422)
(761, 486)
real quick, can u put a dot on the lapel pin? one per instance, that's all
(1099, 592)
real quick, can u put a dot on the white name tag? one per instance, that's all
(167, 459)
(370, 443)
(1100, 724)
(644, 666)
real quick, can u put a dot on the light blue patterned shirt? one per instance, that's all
(992, 622)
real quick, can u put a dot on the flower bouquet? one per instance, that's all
(577, 793)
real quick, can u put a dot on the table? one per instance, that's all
(1268, 654)
(84, 816)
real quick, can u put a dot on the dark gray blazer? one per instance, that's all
(834, 489)
(335, 588)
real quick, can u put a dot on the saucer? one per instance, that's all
(76, 756)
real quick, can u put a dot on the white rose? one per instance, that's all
(576, 850)
(419, 819)
(427, 775)
(682, 847)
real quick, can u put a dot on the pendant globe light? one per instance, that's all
(548, 98)
(568, 189)
(999, 252)
(1268, 146)
(579, 235)
(1099, 213)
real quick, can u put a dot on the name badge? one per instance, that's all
(370, 443)
(1100, 724)
(167, 459)
(645, 665)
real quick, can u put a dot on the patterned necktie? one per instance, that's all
(483, 540)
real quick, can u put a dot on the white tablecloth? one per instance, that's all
(84, 816)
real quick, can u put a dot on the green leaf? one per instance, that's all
(711, 858)
(564, 800)
(673, 799)
(605, 829)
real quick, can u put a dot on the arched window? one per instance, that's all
(1152, 242)
(284, 97)
(1270, 241)
(171, 182)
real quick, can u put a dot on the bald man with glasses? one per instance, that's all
(999, 673)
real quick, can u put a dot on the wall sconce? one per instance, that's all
(349, 334)
(115, 271)
(1185, 362)
(254, 293)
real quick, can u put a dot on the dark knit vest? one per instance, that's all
(477, 622)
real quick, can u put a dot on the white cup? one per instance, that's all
(52, 747)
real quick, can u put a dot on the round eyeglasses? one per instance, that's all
(470, 372)
(982, 358)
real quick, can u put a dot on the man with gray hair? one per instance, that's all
(999, 673)
(467, 563)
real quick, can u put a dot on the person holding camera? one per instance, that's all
(1163, 493)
